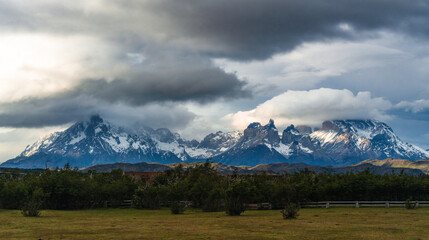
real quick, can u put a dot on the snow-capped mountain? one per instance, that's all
(96, 141)
(339, 142)
(257, 146)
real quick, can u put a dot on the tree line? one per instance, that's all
(70, 189)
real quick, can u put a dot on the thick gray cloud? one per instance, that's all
(258, 29)
(242, 29)
(421, 105)
(197, 84)
(45, 112)
(154, 77)
(417, 110)
(60, 110)
(141, 89)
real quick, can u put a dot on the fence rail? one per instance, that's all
(123, 204)
(324, 204)
(129, 204)
(357, 204)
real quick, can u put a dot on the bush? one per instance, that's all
(177, 207)
(409, 204)
(236, 196)
(32, 204)
(200, 182)
(214, 202)
(234, 207)
(149, 197)
(290, 211)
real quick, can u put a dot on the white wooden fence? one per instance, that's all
(325, 204)
(357, 204)
(129, 204)
(123, 204)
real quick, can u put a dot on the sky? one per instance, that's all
(199, 66)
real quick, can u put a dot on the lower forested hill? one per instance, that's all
(279, 168)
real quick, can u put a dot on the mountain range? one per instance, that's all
(337, 143)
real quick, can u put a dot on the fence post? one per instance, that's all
(327, 204)
(417, 204)
(387, 204)
(357, 204)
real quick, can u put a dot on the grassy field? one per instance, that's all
(334, 223)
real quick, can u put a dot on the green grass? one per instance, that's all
(334, 223)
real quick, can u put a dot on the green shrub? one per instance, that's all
(32, 203)
(290, 211)
(215, 201)
(177, 207)
(150, 197)
(200, 182)
(409, 204)
(234, 207)
(236, 196)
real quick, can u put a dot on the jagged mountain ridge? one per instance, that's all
(339, 142)
(97, 141)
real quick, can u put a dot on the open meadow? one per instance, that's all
(333, 223)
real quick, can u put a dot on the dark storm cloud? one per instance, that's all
(136, 95)
(257, 29)
(200, 85)
(53, 111)
(34, 112)
(241, 29)
(170, 115)
(404, 110)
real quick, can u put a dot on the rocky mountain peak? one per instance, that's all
(257, 125)
(303, 129)
(95, 126)
(270, 125)
(256, 134)
(330, 126)
(220, 140)
(164, 135)
(291, 129)
(96, 120)
(254, 125)
(290, 134)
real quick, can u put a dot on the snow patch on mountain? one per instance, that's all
(364, 133)
(199, 153)
(284, 149)
(174, 148)
(40, 144)
(119, 144)
(78, 138)
(325, 137)
(305, 149)
(97, 130)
